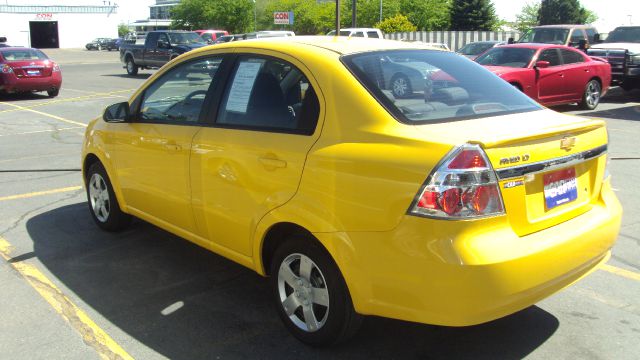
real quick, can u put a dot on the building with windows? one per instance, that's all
(159, 17)
(63, 23)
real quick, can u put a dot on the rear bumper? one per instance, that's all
(458, 274)
(10, 83)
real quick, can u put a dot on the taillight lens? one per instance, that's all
(463, 187)
(6, 69)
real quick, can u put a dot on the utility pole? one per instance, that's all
(337, 17)
(353, 13)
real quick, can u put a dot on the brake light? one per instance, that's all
(463, 187)
(6, 69)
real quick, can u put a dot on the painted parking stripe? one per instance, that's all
(40, 193)
(620, 272)
(91, 333)
(45, 114)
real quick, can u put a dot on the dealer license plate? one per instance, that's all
(33, 72)
(560, 187)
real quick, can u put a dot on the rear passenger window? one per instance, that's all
(358, 34)
(551, 56)
(576, 36)
(571, 57)
(373, 34)
(591, 35)
(269, 94)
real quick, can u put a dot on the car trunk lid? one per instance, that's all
(31, 69)
(550, 167)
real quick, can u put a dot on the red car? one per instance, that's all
(550, 74)
(27, 70)
(211, 35)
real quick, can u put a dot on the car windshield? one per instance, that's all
(631, 35)
(475, 48)
(506, 56)
(185, 38)
(546, 36)
(23, 54)
(444, 87)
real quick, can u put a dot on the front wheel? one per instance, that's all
(132, 68)
(310, 294)
(591, 95)
(103, 204)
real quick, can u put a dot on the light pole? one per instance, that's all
(255, 22)
(380, 10)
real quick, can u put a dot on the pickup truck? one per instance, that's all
(622, 50)
(159, 48)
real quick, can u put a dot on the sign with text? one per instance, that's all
(283, 17)
(44, 16)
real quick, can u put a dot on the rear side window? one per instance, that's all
(591, 35)
(576, 36)
(269, 94)
(550, 55)
(420, 86)
(373, 34)
(358, 34)
(571, 57)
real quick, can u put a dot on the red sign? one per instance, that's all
(44, 16)
(283, 17)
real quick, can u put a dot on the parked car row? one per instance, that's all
(104, 44)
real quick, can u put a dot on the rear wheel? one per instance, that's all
(132, 68)
(310, 294)
(591, 96)
(103, 204)
(53, 92)
(400, 86)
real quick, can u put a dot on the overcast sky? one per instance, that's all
(611, 13)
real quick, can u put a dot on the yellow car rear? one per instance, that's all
(458, 203)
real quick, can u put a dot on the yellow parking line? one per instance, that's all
(621, 272)
(91, 333)
(45, 114)
(40, 193)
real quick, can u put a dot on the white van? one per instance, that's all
(359, 32)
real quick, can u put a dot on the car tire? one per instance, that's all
(591, 95)
(132, 68)
(314, 305)
(400, 86)
(53, 93)
(103, 204)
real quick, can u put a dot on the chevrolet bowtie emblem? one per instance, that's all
(567, 143)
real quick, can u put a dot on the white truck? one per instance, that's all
(622, 49)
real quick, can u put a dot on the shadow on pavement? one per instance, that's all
(187, 303)
(139, 76)
(25, 96)
(631, 112)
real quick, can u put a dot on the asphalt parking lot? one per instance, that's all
(69, 290)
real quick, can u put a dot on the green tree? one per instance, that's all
(564, 12)
(397, 23)
(528, 16)
(123, 30)
(232, 15)
(473, 15)
(427, 15)
(369, 11)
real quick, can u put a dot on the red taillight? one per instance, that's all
(6, 69)
(465, 186)
(468, 159)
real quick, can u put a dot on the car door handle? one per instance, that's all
(271, 163)
(172, 147)
(561, 74)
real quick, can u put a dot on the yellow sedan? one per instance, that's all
(459, 203)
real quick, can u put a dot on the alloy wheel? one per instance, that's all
(592, 96)
(303, 292)
(99, 197)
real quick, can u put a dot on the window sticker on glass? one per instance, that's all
(242, 86)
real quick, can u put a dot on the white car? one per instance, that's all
(358, 32)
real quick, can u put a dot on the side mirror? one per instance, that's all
(119, 112)
(511, 40)
(542, 64)
(582, 44)
(596, 39)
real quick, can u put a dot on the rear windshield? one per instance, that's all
(631, 35)
(431, 86)
(23, 54)
(546, 36)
